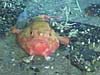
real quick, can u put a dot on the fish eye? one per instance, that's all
(50, 34)
(30, 32)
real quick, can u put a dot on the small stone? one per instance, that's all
(54, 24)
(63, 57)
(12, 52)
(58, 27)
(88, 69)
(28, 59)
(98, 58)
(57, 54)
(98, 40)
(93, 44)
(48, 58)
(61, 30)
(13, 64)
(82, 32)
(89, 41)
(13, 60)
(36, 70)
(52, 67)
(88, 29)
(83, 43)
(68, 45)
(47, 67)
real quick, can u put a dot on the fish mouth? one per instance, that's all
(39, 46)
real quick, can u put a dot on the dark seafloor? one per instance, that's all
(75, 21)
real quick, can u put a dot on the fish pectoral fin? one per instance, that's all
(64, 40)
(15, 30)
(47, 58)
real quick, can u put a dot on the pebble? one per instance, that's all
(47, 67)
(57, 54)
(61, 30)
(13, 59)
(36, 70)
(13, 64)
(83, 43)
(52, 67)
(88, 69)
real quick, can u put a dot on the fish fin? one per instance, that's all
(15, 30)
(64, 40)
(47, 58)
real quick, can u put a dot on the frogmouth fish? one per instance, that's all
(38, 38)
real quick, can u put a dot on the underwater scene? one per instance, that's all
(49, 37)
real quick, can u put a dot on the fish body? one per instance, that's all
(39, 39)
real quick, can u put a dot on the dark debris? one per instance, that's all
(93, 10)
(82, 52)
(9, 11)
(84, 60)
